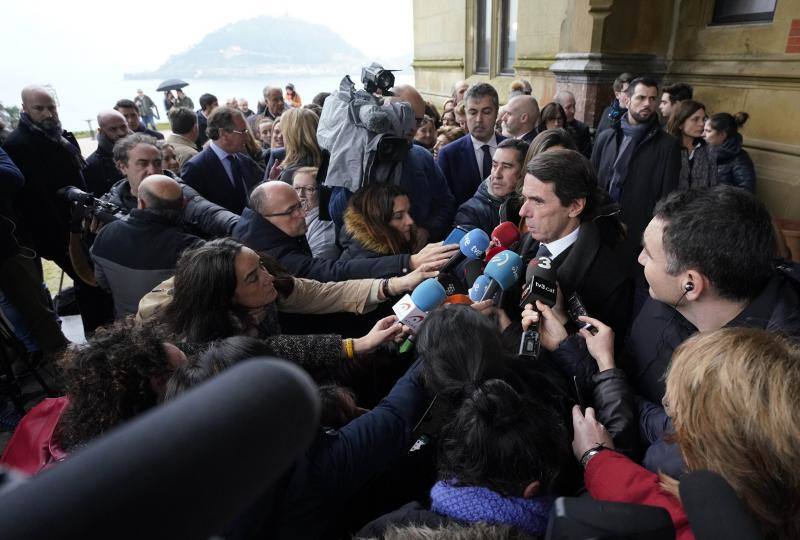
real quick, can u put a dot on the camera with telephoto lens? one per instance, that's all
(374, 78)
(92, 207)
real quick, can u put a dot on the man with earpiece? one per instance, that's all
(709, 260)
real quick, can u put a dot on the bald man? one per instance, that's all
(521, 116)
(50, 159)
(134, 255)
(101, 173)
(275, 224)
(576, 128)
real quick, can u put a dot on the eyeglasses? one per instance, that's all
(296, 208)
(303, 189)
(239, 131)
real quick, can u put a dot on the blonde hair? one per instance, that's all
(299, 129)
(734, 398)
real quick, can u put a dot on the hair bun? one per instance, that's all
(494, 402)
(740, 118)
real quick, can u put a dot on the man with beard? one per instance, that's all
(101, 172)
(637, 163)
(50, 159)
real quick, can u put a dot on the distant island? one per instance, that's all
(262, 46)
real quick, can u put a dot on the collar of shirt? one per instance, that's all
(557, 247)
(478, 145)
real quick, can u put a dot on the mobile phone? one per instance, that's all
(575, 309)
(455, 236)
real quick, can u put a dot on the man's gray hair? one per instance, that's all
(258, 199)
(123, 146)
(482, 90)
(222, 118)
(268, 89)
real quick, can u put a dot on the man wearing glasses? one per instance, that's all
(222, 172)
(321, 234)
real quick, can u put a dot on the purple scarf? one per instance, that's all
(472, 504)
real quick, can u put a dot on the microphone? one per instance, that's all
(412, 309)
(506, 234)
(478, 288)
(455, 236)
(726, 518)
(492, 251)
(452, 285)
(540, 284)
(472, 246)
(171, 472)
(504, 269)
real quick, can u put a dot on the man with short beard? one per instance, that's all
(101, 173)
(637, 163)
(50, 159)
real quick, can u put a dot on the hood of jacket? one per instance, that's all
(357, 235)
(729, 149)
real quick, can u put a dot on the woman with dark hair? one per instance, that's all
(501, 461)
(734, 165)
(552, 116)
(447, 134)
(550, 139)
(698, 167)
(223, 288)
(426, 133)
(119, 374)
(377, 222)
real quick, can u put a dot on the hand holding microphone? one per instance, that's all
(436, 254)
(472, 246)
(541, 292)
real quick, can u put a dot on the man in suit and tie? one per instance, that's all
(222, 173)
(467, 161)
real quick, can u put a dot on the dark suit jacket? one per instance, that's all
(205, 173)
(457, 163)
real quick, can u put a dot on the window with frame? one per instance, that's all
(743, 11)
(483, 35)
(508, 36)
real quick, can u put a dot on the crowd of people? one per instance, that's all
(234, 237)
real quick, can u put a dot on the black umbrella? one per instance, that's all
(171, 84)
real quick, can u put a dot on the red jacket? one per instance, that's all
(31, 448)
(610, 476)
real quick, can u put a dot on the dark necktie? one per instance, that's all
(238, 177)
(487, 161)
(543, 252)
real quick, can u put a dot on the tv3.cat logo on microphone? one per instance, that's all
(502, 259)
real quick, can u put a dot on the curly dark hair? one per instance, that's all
(503, 441)
(110, 380)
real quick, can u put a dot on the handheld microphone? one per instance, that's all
(452, 285)
(478, 288)
(726, 518)
(472, 246)
(540, 284)
(492, 251)
(455, 236)
(506, 234)
(412, 308)
(504, 269)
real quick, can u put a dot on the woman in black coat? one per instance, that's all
(734, 165)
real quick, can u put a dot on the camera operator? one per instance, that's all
(138, 157)
(50, 159)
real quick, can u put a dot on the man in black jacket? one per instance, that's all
(101, 172)
(50, 159)
(576, 128)
(138, 157)
(133, 255)
(275, 224)
(637, 163)
(130, 111)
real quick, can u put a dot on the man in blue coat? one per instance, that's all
(222, 172)
(465, 162)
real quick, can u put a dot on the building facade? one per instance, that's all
(739, 55)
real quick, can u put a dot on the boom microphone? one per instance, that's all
(504, 270)
(174, 472)
(472, 246)
(541, 285)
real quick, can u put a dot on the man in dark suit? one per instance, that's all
(576, 128)
(465, 162)
(222, 173)
(208, 102)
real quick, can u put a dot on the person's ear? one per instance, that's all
(122, 166)
(576, 207)
(531, 490)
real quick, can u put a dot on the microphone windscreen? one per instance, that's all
(455, 236)
(184, 469)
(726, 518)
(474, 244)
(492, 251)
(428, 295)
(505, 268)
(478, 288)
(506, 233)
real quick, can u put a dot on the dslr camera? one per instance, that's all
(375, 78)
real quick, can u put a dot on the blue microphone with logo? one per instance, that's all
(504, 271)
(478, 288)
(472, 246)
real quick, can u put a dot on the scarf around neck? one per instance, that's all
(632, 135)
(55, 135)
(472, 504)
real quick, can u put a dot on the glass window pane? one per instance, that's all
(483, 35)
(508, 43)
(743, 11)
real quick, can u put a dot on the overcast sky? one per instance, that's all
(48, 36)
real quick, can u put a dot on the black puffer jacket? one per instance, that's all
(481, 211)
(734, 165)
